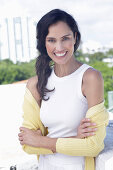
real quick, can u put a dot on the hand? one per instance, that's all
(29, 137)
(86, 128)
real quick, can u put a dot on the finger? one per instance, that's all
(39, 131)
(23, 129)
(85, 125)
(85, 120)
(88, 134)
(20, 139)
(93, 124)
(82, 136)
(22, 142)
(20, 134)
(86, 130)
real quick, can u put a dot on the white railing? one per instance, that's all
(11, 99)
(110, 109)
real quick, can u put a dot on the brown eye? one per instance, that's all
(65, 38)
(51, 40)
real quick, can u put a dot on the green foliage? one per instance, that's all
(98, 56)
(96, 60)
(80, 56)
(107, 74)
(10, 72)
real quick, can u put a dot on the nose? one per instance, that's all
(59, 46)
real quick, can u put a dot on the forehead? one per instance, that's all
(59, 29)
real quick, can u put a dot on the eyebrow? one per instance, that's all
(61, 37)
(66, 35)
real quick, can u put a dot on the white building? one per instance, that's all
(18, 38)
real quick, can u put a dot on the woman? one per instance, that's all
(66, 93)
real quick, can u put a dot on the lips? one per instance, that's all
(60, 54)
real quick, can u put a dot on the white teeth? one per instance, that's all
(60, 55)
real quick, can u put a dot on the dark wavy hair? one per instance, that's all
(43, 66)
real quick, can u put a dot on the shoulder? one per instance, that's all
(92, 75)
(31, 85)
(32, 82)
(93, 86)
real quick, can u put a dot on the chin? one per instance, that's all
(62, 61)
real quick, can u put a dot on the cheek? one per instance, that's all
(49, 48)
(70, 45)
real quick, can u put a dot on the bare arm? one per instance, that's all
(93, 85)
(31, 85)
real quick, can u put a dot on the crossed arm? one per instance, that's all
(33, 141)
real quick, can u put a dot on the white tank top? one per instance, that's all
(65, 108)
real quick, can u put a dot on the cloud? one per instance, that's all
(12, 9)
(94, 17)
(90, 46)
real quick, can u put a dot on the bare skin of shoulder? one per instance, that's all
(92, 88)
(31, 85)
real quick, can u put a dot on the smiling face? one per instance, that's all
(60, 43)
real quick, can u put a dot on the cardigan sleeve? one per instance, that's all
(31, 120)
(90, 146)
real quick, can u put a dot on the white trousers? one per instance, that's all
(52, 164)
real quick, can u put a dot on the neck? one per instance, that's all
(66, 69)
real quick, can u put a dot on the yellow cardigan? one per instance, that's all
(88, 147)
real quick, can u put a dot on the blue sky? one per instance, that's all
(94, 17)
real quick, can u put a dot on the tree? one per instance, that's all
(10, 72)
